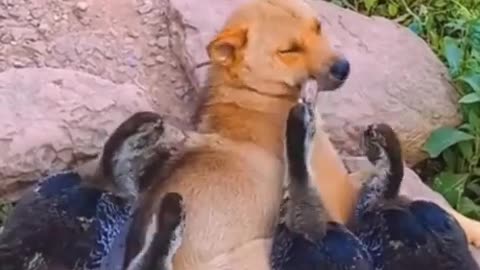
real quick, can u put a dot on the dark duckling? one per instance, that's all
(401, 233)
(71, 218)
(163, 237)
(305, 238)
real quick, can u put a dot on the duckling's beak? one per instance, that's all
(309, 92)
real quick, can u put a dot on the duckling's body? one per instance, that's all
(400, 233)
(305, 239)
(70, 219)
(72, 223)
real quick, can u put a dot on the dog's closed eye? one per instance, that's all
(292, 48)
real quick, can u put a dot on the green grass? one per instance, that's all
(452, 29)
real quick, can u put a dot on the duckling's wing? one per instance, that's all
(437, 221)
(65, 223)
(413, 236)
(343, 249)
(115, 258)
(111, 214)
(450, 239)
(30, 228)
(393, 237)
(339, 249)
(29, 205)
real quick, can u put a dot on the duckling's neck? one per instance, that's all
(305, 212)
(394, 176)
(93, 176)
(384, 183)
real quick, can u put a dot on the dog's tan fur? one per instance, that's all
(231, 175)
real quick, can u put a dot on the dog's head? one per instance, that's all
(277, 41)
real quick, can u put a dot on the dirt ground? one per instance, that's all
(119, 40)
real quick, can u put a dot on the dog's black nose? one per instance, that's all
(340, 69)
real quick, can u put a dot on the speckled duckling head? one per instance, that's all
(383, 149)
(132, 150)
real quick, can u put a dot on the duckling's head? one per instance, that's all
(132, 151)
(379, 141)
(383, 149)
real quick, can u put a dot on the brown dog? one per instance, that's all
(231, 175)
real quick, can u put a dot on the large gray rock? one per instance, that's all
(52, 119)
(395, 76)
(412, 187)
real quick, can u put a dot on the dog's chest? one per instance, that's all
(230, 200)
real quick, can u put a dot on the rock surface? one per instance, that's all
(412, 187)
(395, 77)
(122, 41)
(53, 119)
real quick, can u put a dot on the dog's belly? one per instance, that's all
(231, 199)
(252, 255)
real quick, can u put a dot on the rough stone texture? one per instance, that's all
(123, 41)
(53, 119)
(395, 77)
(412, 187)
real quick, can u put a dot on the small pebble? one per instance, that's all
(162, 42)
(82, 6)
(160, 59)
(133, 34)
(152, 42)
(149, 62)
(145, 8)
(43, 28)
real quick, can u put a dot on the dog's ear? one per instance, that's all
(224, 49)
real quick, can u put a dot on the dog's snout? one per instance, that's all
(340, 69)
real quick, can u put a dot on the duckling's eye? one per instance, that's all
(293, 48)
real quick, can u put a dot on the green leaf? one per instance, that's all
(474, 188)
(476, 171)
(465, 127)
(416, 27)
(439, 4)
(450, 159)
(472, 80)
(474, 121)
(453, 54)
(470, 98)
(392, 9)
(466, 148)
(469, 208)
(443, 138)
(451, 186)
(369, 4)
